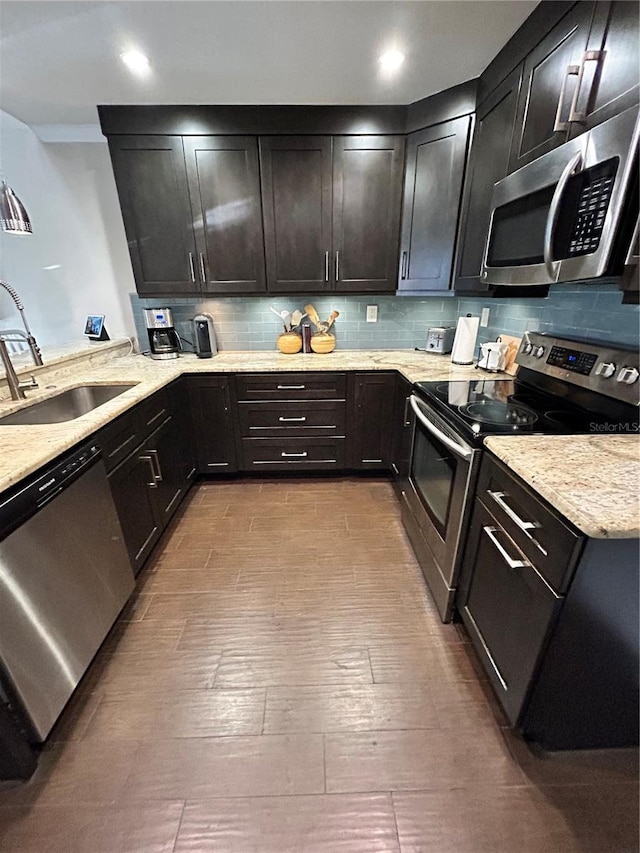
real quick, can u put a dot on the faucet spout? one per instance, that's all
(30, 339)
(16, 387)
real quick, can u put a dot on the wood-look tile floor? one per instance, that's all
(282, 684)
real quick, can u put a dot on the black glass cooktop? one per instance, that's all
(482, 407)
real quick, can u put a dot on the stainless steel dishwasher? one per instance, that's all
(64, 577)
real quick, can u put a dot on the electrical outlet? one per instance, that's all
(484, 317)
(372, 313)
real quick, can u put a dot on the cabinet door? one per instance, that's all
(508, 610)
(401, 434)
(488, 164)
(171, 485)
(609, 69)
(132, 486)
(184, 451)
(154, 199)
(370, 425)
(432, 187)
(548, 86)
(224, 185)
(367, 189)
(296, 206)
(210, 404)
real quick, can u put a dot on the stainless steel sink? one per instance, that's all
(67, 405)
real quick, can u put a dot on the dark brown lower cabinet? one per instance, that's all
(401, 434)
(213, 424)
(371, 399)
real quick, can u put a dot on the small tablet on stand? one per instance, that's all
(95, 329)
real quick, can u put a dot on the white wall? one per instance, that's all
(69, 192)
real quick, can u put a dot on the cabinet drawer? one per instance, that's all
(118, 439)
(317, 417)
(272, 454)
(152, 412)
(541, 533)
(291, 386)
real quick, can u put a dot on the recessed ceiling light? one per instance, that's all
(135, 61)
(391, 60)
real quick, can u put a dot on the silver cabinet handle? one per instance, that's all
(292, 420)
(290, 387)
(462, 452)
(156, 461)
(298, 455)
(499, 498)
(203, 270)
(513, 564)
(152, 484)
(559, 124)
(574, 164)
(394, 468)
(192, 267)
(403, 264)
(326, 265)
(407, 421)
(337, 266)
(576, 115)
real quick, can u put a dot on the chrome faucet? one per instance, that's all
(16, 387)
(28, 336)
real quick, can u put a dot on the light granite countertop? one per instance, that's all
(592, 480)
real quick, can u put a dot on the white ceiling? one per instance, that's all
(59, 59)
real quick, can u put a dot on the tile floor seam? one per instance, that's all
(175, 840)
(395, 819)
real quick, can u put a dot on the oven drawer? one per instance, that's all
(291, 386)
(302, 454)
(266, 420)
(543, 535)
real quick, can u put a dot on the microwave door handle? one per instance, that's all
(453, 446)
(554, 208)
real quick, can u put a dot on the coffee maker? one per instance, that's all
(164, 341)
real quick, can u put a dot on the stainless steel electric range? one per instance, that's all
(563, 386)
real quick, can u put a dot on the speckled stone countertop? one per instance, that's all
(593, 480)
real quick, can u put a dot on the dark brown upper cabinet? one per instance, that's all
(432, 187)
(608, 76)
(548, 86)
(154, 199)
(297, 180)
(367, 190)
(224, 185)
(488, 163)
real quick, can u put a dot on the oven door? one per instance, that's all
(556, 218)
(440, 480)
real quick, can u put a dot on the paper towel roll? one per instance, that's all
(464, 343)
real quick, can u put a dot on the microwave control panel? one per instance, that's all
(593, 189)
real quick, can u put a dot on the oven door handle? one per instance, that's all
(454, 447)
(575, 164)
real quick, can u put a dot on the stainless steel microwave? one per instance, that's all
(557, 218)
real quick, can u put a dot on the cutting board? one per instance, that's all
(514, 345)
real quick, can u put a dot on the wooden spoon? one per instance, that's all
(313, 315)
(334, 316)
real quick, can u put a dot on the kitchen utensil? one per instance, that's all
(333, 316)
(296, 318)
(312, 314)
(285, 317)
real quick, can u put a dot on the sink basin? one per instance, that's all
(67, 405)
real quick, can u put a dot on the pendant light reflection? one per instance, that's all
(14, 219)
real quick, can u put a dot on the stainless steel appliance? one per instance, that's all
(205, 336)
(164, 341)
(557, 218)
(563, 386)
(440, 339)
(64, 577)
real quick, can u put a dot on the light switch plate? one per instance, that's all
(484, 317)
(372, 313)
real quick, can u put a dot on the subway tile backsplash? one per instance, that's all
(246, 323)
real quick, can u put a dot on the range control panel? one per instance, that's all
(598, 366)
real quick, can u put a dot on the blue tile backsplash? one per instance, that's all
(246, 323)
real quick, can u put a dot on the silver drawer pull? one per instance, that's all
(513, 564)
(525, 526)
(298, 455)
(292, 420)
(290, 387)
(152, 484)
